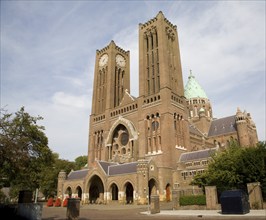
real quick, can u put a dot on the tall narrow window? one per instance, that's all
(151, 41)
(123, 73)
(147, 42)
(156, 36)
(153, 84)
(154, 144)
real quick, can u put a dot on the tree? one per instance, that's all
(24, 151)
(81, 162)
(49, 175)
(235, 167)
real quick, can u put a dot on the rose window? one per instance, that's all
(121, 151)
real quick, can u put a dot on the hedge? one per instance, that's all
(193, 200)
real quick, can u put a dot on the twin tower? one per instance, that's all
(124, 128)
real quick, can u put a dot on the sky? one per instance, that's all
(48, 53)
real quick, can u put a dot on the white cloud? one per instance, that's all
(78, 101)
(66, 126)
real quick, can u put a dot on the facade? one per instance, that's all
(156, 142)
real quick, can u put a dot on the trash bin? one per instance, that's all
(73, 207)
(234, 202)
(155, 204)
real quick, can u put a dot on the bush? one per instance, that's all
(3, 198)
(65, 202)
(50, 202)
(193, 200)
(57, 202)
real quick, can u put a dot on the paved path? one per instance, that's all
(133, 212)
(215, 214)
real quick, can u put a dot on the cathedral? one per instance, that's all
(154, 143)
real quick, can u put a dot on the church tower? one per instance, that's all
(111, 82)
(111, 78)
(159, 57)
(164, 132)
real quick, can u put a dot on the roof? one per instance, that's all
(195, 130)
(105, 165)
(197, 155)
(193, 88)
(117, 169)
(222, 126)
(123, 168)
(77, 174)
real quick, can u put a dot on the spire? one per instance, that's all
(193, 88)
(190, 75)
(160, 15)
(112, 43)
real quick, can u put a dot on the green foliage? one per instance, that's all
(80, 162)
(235, 167)
(50, 175)
(192, 200)
(24, 150)
(26, 162)
(3, 198)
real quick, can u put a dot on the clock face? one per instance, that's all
(103, 60)
(120, 60)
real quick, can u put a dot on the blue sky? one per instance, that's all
(48, 55)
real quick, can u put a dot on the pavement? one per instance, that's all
(115, 211)
(212, 214)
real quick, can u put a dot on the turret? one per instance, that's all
(143, 179)
(246, 129)
(198, 104)
(60, 183)
(242, 128)
(252, 131)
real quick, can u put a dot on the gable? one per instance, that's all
(127, 99)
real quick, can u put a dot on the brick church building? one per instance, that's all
(151, 144)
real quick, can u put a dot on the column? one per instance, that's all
(255, 195)
(175, 199)
(211, 197)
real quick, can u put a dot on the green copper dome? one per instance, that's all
(193, 88)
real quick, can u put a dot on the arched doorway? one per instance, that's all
(168, 192)
(79, 191)
(96, 190)
(114, 190)
(152, 187)
(129, 193)
(69, 192)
